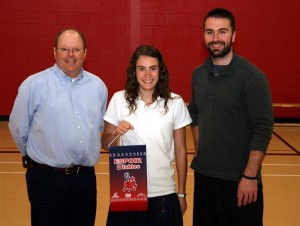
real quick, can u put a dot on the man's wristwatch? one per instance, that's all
(249, 178)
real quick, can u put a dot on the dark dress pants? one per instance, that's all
(215, 204)
(58, 199)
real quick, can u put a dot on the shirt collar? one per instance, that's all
(63, 77)
(158, 99)
(209, 65)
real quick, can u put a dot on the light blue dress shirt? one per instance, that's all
(58, 121)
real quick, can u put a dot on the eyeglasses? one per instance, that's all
(74, 51)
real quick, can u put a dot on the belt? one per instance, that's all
(67, 170)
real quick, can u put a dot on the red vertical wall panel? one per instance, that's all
(267, 35)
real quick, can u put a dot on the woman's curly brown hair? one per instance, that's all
(161, 89)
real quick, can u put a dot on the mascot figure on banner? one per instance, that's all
(129, 183)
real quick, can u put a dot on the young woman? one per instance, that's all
(158, 117)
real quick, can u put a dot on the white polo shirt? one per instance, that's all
(155, 129)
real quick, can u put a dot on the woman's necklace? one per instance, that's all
(148, 101)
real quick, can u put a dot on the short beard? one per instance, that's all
(215, 54)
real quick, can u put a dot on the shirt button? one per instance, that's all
(78, 127)
(80, 142)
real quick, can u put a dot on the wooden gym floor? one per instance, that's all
(281, 178)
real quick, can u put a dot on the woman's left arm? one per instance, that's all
(181, 164)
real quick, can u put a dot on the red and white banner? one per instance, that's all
(128, 178)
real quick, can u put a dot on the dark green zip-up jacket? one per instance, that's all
(234, 113)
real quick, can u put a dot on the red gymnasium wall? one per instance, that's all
(267, 34)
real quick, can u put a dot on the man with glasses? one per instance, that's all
(56, 123)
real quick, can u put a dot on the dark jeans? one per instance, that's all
(215, 204)
(59, 199)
